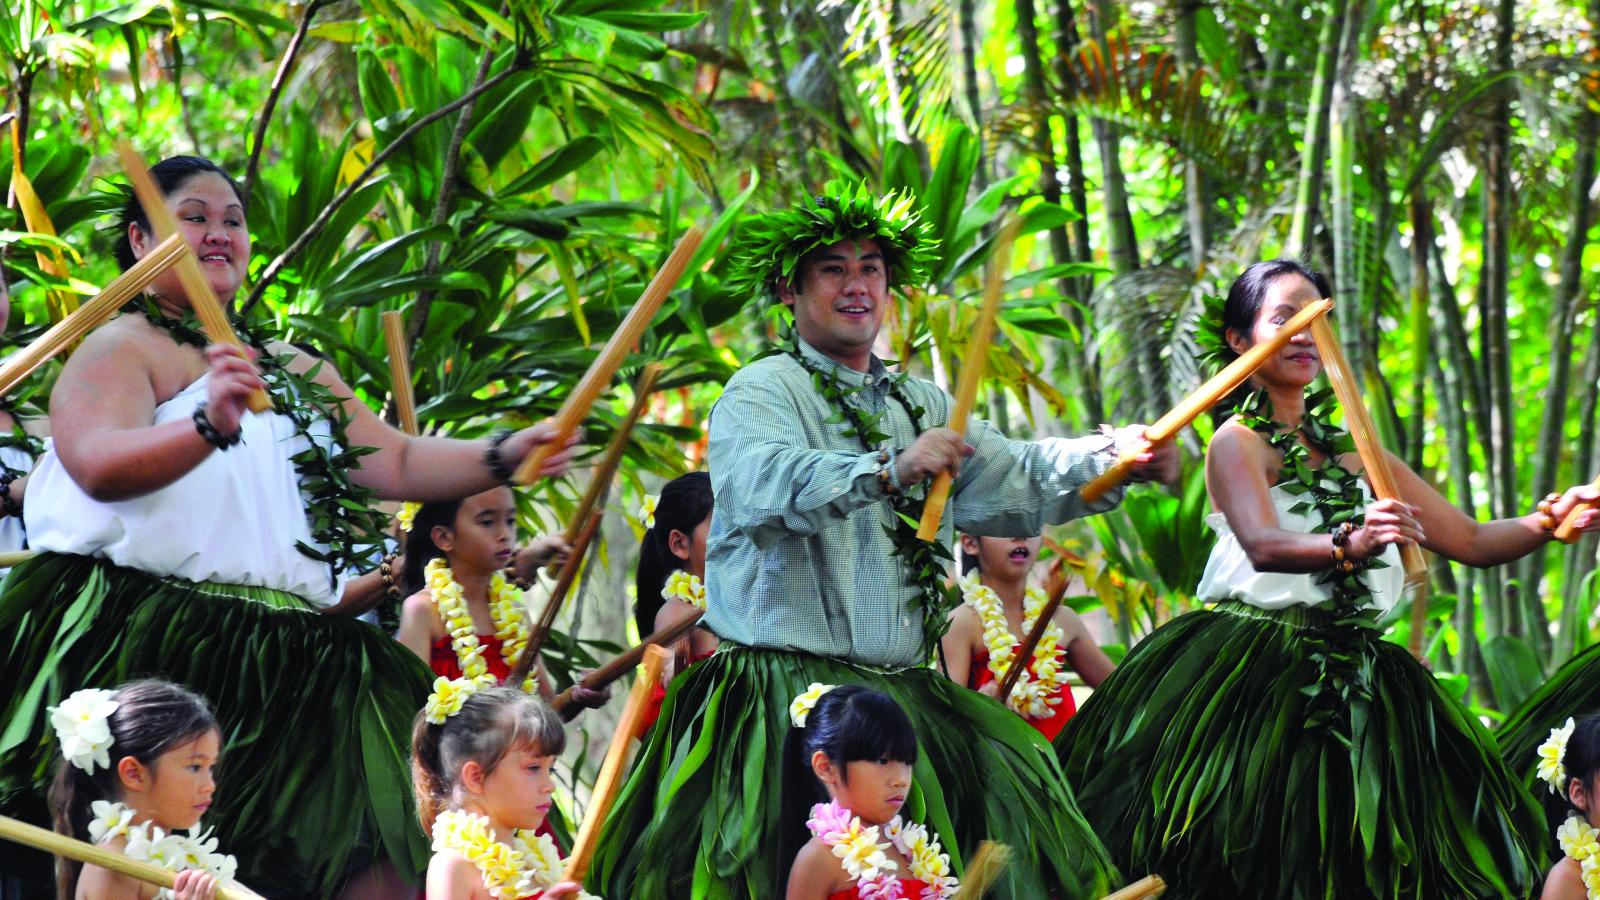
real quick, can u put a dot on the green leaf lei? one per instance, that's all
(340, 512)
(923, 560)
(23, 441)
(1336, 494)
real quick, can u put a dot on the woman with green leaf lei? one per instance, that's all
(1276, 745)
(819, 457)
(185, 537)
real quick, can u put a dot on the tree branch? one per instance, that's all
(278, 80)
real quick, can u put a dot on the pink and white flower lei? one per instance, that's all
(864, 857)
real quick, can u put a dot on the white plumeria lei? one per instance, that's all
(530, 863)
(82, 725)
(148, 843)
(688, 588)
(864, 858)
(505, 611)
(1039, 688)
(1581, 841)
(1551, 769)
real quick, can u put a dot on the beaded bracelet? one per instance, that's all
(492, 458)
(208, 431)
(8, 506)
(1341, 541)
(1547, 513)
(386, 572)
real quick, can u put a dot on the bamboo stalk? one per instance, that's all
(1205, 397)
(612, 355)
(987, 865)
(972, 366)
(207, 308)
(1019, 660)
(610, 778)
(607, 468)
(1376, 463)
(87, 317)
(558, 593)
(1567, 531)
(43, 839)
(628, 660)
(1146, 888)
(405, 402)
(14, 557)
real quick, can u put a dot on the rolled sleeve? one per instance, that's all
(1014, 488)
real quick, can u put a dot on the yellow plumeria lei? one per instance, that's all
(1581, 841)
(505, 610)
(529, 864)
(1037, 690)
(146, 842)
(1551, 769)
(865, 859)
(688, 588)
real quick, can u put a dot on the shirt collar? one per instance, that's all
(877, 373)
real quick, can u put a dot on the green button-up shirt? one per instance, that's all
(798, 558)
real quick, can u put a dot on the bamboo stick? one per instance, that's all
(612, 355)
(1019, 660)
(87, 317)
(43, 839)
(607, 468)
(972, 366)
(1567, 531)
(987, 865)
(14, 557)
(405, 403)
(207, 308)
(1146, 888)
(1206, 396)
(628, 660)
(558, 593)
(1376, 463)
(610, 778)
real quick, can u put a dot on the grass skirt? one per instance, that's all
(717, 803)
(1222, 755)
(315, 710)
(1574, 690)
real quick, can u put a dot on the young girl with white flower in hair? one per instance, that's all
(137, 770)
(860, 746)
(998, 611)
(481, 760)
(1569, 763)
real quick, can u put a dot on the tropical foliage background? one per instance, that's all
(508, 176)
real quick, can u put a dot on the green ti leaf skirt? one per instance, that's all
(1574, 690)
(1221, 756)
(716, 805)
(314, 781)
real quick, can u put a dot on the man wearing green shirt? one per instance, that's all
(813, 576)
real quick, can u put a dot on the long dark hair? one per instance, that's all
(170, 174)
(491, 723)
(1243, 306)
(1581, 760)
(685, 502)
(420, 548)
(151, 718)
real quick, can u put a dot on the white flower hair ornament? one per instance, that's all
(83, 726)
(450, 694)
(800, 709)
(1551, 770)
(647, 510)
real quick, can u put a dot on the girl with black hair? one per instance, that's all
(672, 562)
(1570, 765)
(184, 535)
(1276, 745)
(860, 750)
(136, 769)
(998, 610)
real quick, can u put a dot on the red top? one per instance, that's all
(1049, 726)
(658, 695)
(910, 887)
(443, 659)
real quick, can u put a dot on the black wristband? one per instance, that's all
(492, 458)
(8, 506)
(208, 431)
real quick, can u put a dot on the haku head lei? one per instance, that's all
(82, 724)
(800, 709)
(772, 245)
(1552, 770)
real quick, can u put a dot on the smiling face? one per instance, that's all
(482, 537)
(212, 220)
(175, 789)
(839, 295)
(1297, 364)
